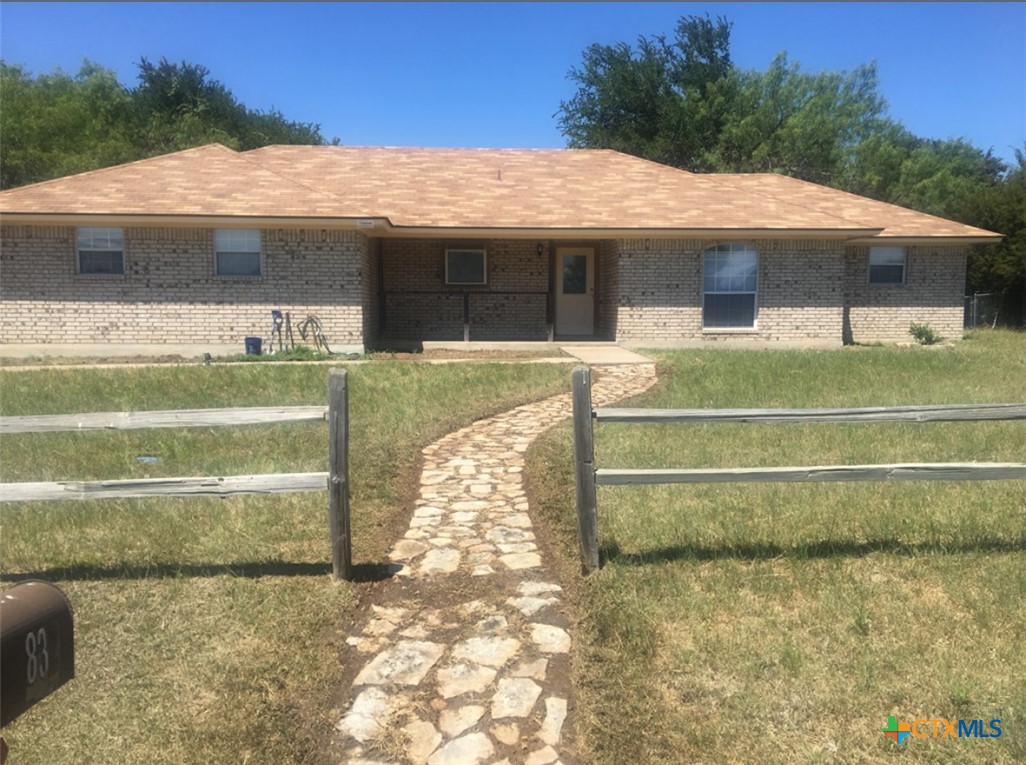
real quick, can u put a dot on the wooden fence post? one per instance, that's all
(338, 475)
(584, 459)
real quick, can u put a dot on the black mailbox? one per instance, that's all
(37, 646)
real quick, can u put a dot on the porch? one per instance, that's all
(510, 290)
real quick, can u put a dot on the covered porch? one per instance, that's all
(487, 290)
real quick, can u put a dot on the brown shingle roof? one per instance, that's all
(897, 222)
(421, 188)
(209, 180)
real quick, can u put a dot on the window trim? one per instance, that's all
(889, 250)
(484, 266)
(79, 249)
(259, 253)
(734, 247)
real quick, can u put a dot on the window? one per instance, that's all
(886, 265)
(730, 277)
(101, 251)
(237, 252)
(465, 267)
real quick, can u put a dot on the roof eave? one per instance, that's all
(926, 241)
(224, 221)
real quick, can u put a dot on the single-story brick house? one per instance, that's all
(450, 244)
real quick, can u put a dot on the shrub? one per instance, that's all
(924, 334)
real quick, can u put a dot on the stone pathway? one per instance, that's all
(486, 677)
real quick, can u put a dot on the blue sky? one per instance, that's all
(493, 74)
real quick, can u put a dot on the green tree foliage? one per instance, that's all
(684, 103)
(1001, 268)
(57, 124)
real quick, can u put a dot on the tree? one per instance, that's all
(57, 124)
(665, 101)
(1001, 268)
(685, 104)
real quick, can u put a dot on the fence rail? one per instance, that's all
(335, 481)
(588, 476)
(206, 486)
(178, 418)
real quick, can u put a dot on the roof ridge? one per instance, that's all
(121, 166)
(252, 161)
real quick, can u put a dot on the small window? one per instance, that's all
(730, 278)
(465, 267)
(101, 251)
(237, 252)
(886, 265)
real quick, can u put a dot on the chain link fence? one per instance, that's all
(981, 309)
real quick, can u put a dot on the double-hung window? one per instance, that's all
(466, 266)
(886, 265)
(730, 276)
(101, 251)
(237, 252)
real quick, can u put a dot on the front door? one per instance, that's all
(575, 291)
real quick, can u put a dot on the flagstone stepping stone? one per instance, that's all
(537, 588)
(472, 749)
(441, 560)
(555, 716)
(550, 639)
(464, 678)
(492, 651)
(366, 718)
(544, 756)
(517, 561)
(514, 697)
(454, 721)
(405, 663)
(423, 739)
(529, 606)
(535, 669)
(407, 548)
(507, 733)
(507, 535)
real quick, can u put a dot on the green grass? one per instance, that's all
(783, 623)
(208, 631)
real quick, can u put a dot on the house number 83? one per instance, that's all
(38, 658)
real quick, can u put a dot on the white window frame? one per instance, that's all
(235, 242)
(728, 249)
(883, 253)
(95, 239)
(467, 250)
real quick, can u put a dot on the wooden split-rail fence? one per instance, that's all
(335, 480)
(589, 476)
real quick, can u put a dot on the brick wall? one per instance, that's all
(608, 288)
(799, 293)
(932, 294)
(418, 265)
(169, 291)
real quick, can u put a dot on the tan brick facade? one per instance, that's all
(932, 294)
(799, 293)
(419, 304)
(169, 292)
(647, 290)
(806, 293)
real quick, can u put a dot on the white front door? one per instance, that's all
(575, 291)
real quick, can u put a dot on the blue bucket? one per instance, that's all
(253, 346)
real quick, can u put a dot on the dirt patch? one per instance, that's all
(434, 354)
(444, 354)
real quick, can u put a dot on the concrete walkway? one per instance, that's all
(466, 658)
